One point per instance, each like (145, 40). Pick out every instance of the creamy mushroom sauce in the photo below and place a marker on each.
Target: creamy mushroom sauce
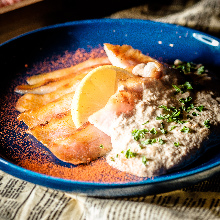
(164, 145)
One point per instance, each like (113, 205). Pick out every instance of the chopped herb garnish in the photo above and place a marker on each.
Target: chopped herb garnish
(195, 114)
(175, 116)
(182, 88)
(161, 141)
(164, 131)
(189, 108)
(141, 146)
(188, 99)
(200, 70)
(138, 134)
(177, 88)
(116, 156)
(200, 108)
(112, 159)
(181, 122)
(149, 141)
(144, 160)
(188, 67)
(172, 127)
(145, 123)
(130, 154)
(207, 123)
(187, 85)
(185, 129)
(165, 108)
(185, 67)
(101, 146)
(153, 131)
(176, 144)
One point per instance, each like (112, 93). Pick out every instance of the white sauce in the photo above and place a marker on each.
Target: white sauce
(160, 157)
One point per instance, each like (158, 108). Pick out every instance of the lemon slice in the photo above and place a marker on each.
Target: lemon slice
(94, 90)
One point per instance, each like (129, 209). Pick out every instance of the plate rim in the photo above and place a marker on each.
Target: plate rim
(164, 178)
(107, 20)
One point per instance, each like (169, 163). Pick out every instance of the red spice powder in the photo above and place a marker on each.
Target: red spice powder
(26, 152)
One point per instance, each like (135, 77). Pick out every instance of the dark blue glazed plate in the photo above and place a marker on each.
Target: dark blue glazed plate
(163, 41)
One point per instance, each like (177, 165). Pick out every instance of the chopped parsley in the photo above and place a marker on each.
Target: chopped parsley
(185, 67)
(172, 127)
(149, 141)
(101, 146)
(200, 70)
(145, 123)
(184, 101)
(175, 115)
(138, 134)
(188, 108)
(176, 144)
(113, 159)
(161, 141)
(195, 114)
(207, 123)
(200, 108)
(141, 146)
(144, 160)
(129, 154)
(152, 141)
(164, 131)
(188, 67)
(183, 88)
(153, 131)
(185, 129)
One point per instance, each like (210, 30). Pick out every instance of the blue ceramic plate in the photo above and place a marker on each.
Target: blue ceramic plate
(23, 53)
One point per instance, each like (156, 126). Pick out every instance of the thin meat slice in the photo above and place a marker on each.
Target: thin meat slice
(45, 113)
(86, 144)
(59, 127)
(33, 101)
(50, 76)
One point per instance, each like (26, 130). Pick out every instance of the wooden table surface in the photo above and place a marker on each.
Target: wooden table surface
(49, 12)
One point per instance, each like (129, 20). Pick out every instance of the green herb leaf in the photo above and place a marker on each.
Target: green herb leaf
(161, 141)
(153, 131)
(200, 108)
(187, 85)
(141, 146)
(178, 89)
(172, 127)
(176, 144)
(174, 116)
(138, 134)
(182, 88)
(185, 67)
(200, 70)
(144, 160)
(112, 159)
(145, 123)
(195, 114)
(189, 108)
(149, 141)
(129, 154)
(207, 123)
(101, 146)
(188, 99)
(185, 129)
